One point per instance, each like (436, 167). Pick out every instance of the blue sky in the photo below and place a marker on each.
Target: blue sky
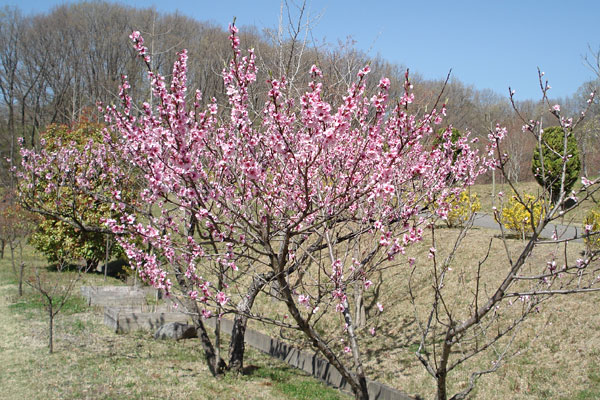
(488, 44)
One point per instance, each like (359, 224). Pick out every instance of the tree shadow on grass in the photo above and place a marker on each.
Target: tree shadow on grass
(512, 236)
(118, 268)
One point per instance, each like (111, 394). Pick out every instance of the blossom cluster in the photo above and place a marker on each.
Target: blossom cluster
(224, 185)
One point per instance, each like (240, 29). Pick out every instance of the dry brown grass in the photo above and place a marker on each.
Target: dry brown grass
(556, 354)
(548, 342)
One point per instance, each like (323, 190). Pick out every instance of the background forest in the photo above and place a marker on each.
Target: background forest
(55, 67)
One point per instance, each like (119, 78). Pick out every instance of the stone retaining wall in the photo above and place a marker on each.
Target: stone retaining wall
(115, 296)
(130, 316)
(123, 320)
(309, 362)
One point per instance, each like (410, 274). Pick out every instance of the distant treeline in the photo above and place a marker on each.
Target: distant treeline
(55, 67)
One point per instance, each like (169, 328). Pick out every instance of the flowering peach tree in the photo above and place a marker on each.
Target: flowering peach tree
(312, 198)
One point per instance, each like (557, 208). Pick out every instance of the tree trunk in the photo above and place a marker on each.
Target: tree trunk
(21, 270)
(218, 319)
(360, 373)
(14, 267)
(11, 129)
(364, 393)
(91, 265)
(358, 385)
(237, 345)
(106, 254)
(442, 371)
(50, 326)
(216, 366)
(360, 312)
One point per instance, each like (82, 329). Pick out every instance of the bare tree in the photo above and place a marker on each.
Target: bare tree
(54, 290)
(11, 30)
(455, 329)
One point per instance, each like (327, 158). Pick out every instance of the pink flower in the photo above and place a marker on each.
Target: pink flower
(384, 83)
(585, 181)
(364, 71)
(298, 162)
(556, 107)
(222, 299)
(432, 251)
(314, 70)
(304, 300)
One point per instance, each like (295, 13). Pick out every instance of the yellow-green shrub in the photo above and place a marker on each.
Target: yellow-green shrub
(516, 217)
(461, 209)
(591, 223)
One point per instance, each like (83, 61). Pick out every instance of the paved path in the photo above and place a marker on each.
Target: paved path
(562, 231)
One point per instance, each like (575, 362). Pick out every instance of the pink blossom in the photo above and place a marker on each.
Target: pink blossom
(432, 251)
(222, 299)
(304, 300)
(585, 181)
(384, 83)
(226, 180)
(364, 71)
(314, 70)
